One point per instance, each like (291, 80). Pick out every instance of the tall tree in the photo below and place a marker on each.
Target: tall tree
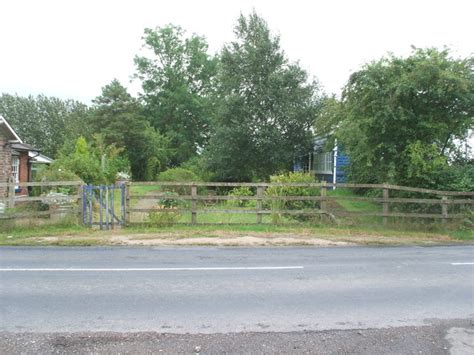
(265, 106)
(116, 116)
(176, 81)
(45, 122)
(402, 116)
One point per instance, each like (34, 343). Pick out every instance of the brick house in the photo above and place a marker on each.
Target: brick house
(16, 159)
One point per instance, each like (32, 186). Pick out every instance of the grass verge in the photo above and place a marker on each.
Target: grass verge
(231, 235)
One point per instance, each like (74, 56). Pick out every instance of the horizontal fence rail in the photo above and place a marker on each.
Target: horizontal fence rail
(198, 198)
(441, 198)
(18, 207)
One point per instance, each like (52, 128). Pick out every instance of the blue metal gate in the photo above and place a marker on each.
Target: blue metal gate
(104, 205)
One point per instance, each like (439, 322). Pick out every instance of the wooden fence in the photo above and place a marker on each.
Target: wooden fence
(203, 198)
(445, 199)
(13, 204)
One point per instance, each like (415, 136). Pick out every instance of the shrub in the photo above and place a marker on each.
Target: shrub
(280, 204)
(178, 175)
(53, 173)
(239, 192)
(169, 203)
(163, 218)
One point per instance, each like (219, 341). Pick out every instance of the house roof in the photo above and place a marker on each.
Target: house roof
(24, 147)
(39, 158)
(4, 123)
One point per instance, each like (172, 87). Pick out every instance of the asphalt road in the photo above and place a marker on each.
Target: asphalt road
(220, 290)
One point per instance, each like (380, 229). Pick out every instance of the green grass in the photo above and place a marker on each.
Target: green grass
(141, 190)
(354, 206)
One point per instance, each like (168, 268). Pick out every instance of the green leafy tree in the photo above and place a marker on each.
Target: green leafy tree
(94, 162)
(265, 106)
(401, 116)
(45, 122)
(116, 115)
(82, 162)
(176, 78)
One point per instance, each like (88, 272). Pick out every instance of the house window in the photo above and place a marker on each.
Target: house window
(16, 169)
(323, 163)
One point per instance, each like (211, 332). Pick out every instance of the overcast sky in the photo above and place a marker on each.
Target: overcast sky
(71, 49)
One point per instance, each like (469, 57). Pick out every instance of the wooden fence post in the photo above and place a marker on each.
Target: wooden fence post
(80, 202)
(385, 205)
(444, 209)
(193, 204)
(259, 203)
(127, 203)
(11, 193)
(324, 192)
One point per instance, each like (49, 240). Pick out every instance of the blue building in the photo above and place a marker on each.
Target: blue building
(326, 165)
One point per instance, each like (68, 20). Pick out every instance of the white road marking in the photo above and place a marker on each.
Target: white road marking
(462, 263)
(158, 268)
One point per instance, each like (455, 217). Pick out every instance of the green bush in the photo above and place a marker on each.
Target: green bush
(169, 203)
(239, 192)
(281, 204)
(163, 218)
(53, 173)
(178, 175)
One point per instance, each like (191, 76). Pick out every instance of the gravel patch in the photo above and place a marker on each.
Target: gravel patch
(430, 339)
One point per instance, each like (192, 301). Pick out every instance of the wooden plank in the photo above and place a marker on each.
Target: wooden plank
(385, 205)
(227, 197)
(444, 209)
(70, 198)
(194, 204)
(323, 196)
(340, 185)
(267, 212)
(164, 210)
(397, 214)
(33, 214)
(44, 183)
(80, 205)
(127, 203)
(11, 194)
(433, 192)
(259, 203)
(224, 184)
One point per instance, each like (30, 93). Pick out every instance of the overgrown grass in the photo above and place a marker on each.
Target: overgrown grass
(142, 190)
(354, 206)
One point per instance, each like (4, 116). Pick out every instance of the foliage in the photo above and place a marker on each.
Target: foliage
(239, 192)
(54, 173)
(156, 218)
(117, 116)
(401, 117)
(45, 122)
(275, 191)
(197, 165)
(328, 117)
(96, 163)
(176, 81)
(459, 176)
(178, 175)
(169, 202)
(264, 106)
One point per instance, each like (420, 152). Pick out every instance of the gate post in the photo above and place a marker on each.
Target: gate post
(385, 206)
(80, 204)
(259, 203)
(444, 209)
(11, 193)
(324, 192)
(193, 204)
(127, 203)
